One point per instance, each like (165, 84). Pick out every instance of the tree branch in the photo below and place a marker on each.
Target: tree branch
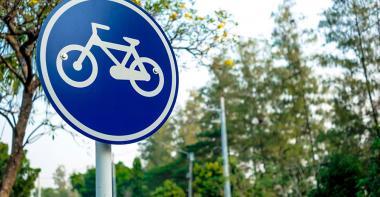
(13, 42)
(30, 136)
(13, 126)
(10, 16)
(12, 69)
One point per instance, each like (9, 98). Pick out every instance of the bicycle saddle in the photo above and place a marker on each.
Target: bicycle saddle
(132, 41)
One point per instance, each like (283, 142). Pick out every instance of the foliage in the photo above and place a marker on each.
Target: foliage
(84, 183)
(150, 152)
(175, 170)
(128, 180)
(123, 176)
(59, 177)
(208, 179)
(296, 92)
(52, 192)
(63, 187)
(137, 186)
(370, 183)
(168, 189)
(353, 27)
(339, 176)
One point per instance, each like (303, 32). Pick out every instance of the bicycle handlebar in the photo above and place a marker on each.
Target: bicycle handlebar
(99, 26)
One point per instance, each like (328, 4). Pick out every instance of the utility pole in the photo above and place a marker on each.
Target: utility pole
(226, 171)
(191, 160)
(189, 175)
(190, 156)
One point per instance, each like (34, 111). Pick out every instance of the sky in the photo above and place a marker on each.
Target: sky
(77, 154)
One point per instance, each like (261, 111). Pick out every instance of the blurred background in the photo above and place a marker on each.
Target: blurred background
(300, 81)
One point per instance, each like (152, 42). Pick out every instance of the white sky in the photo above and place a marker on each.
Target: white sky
(254, 18)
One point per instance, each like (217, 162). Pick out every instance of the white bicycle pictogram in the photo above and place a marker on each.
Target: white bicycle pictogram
(119, 71)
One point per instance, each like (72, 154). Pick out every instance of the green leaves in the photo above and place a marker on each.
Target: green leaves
(349, 25)
(208, 179)
(339, 176)
(84, 183)
(168, 189)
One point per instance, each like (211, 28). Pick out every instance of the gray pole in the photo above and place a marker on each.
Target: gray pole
(113, 177)
(190, 189)
(226, 171)
(103, 170)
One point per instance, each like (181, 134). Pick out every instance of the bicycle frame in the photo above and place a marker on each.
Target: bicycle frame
(95, 40)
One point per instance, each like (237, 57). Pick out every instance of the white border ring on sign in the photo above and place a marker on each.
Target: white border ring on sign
(92, 132)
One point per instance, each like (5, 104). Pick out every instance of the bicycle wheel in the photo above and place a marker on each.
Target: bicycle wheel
(63, 55)
(156, 69)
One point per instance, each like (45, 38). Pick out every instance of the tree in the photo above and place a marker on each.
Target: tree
(274, 109)
(339, 176)
(137, 186)
(194, 34)
(168, 189)
(84, 183)
(123, 176)
(157, 149)
(352, 26)
(128, 180)
(59, 177)
(370, 183)
(175, 171)
(52, 192)
(63, 188)
(208, 179)
(296, 125)
(176, 134)
(20, 23)
(187, 123)
(26, 177)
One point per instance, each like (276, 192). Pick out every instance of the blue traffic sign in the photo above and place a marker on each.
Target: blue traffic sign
(108, 69)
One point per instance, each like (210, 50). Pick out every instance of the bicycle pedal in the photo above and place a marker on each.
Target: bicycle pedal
(123, 73)
(120, 73)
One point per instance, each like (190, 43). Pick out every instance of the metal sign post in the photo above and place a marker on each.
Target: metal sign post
(103, 170)
(113, 177)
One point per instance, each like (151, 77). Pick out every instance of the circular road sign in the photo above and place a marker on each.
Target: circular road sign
(108, 69)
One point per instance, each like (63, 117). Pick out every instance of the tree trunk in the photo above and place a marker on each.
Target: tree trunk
(17, 152)
(363, 63)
